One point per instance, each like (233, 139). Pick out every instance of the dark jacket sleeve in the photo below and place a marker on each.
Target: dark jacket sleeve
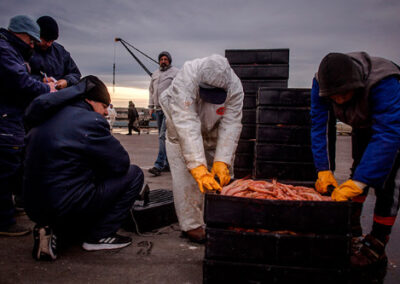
(15, 75)
(319, 122)
(71, 71)
(384, 145)
(108, 156)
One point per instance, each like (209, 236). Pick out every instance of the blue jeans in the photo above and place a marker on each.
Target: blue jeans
(162, 160)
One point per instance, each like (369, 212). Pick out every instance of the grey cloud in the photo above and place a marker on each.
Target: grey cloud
(191, 29)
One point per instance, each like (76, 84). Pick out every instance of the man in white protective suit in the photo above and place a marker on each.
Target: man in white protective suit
(112, 115)
(203, 107)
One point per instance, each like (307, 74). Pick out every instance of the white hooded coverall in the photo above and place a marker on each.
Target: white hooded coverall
(199, 132)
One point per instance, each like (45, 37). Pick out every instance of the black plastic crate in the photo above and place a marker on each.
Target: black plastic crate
(302, 250)
(252, 86)
(249, 116)
(288, 134)
(318, 217)
(244, 160)
(158, 212)
(250, 101)
(246, 146)
(248, 131)
(285, 170)
(283, 152)
(284, 115)
(235, 272)
(273, 71)
(258, 56)
(242, 172)
(284, 97)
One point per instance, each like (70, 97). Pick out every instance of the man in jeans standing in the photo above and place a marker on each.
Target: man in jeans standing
(160, 81)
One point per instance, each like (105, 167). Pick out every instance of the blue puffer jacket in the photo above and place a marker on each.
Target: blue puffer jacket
(17, 88)
(69, 151)
(379, 156)
(55, 62)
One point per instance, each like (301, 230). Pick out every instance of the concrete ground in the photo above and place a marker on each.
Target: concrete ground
(161, 257)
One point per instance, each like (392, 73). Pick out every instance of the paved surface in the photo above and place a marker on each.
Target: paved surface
(163, 257)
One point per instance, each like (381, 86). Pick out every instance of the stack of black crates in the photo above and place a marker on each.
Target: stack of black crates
(275, 241)
(283, 143)
(256, 68)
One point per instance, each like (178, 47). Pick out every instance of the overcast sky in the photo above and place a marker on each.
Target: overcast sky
(192, 29)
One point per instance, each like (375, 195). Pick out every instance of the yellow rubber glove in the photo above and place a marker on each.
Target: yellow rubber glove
(204, 178)
(347, 190)
(221, 170)
(325, 178)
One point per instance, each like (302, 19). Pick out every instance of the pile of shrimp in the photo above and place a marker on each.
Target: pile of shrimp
(261, 189)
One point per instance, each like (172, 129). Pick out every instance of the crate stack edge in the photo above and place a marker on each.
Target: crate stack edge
(255, 68)
(283, 143)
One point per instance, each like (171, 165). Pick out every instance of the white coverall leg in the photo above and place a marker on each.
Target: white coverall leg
(188, 199)
(199, 132)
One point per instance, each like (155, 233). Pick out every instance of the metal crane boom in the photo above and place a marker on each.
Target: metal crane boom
(124, 43)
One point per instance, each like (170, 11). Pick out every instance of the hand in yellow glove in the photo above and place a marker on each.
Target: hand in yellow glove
(348, 190)
(221, 170)
(204, 178)
(325, 179)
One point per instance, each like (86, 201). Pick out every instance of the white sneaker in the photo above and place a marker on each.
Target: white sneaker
(113, 242)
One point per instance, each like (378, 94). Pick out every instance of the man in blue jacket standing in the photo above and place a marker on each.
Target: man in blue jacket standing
(365, 93)
(51, 62)
(78, 180)
(17, 89)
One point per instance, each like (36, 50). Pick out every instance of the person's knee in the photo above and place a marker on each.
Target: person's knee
(136, 177)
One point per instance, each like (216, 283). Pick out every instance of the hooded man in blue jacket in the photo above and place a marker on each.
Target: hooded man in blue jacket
(50, 61)
(365, 93)
(17, 89)
(78, 180)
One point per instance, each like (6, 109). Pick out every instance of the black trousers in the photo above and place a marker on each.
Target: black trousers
(10, 182)
(388, 196)
(103, 215)
(131, 126)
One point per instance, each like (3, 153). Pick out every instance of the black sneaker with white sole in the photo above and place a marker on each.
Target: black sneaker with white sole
(113, 242)
(44, 243)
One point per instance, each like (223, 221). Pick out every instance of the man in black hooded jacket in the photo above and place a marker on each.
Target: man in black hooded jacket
(78, 179)
(364, 92)
(51, 61)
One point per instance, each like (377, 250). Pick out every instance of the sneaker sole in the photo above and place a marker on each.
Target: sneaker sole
(94, 247)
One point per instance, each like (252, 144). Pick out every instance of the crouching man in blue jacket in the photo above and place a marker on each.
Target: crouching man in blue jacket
(365, 93)
(78, 180)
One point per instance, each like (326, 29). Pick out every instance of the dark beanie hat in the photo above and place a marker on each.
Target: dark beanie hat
(165, 53)
(338, 74)
(48, 28)
(96, 90)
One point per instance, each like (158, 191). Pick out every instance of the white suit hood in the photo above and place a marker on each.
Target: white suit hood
(199, 126)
